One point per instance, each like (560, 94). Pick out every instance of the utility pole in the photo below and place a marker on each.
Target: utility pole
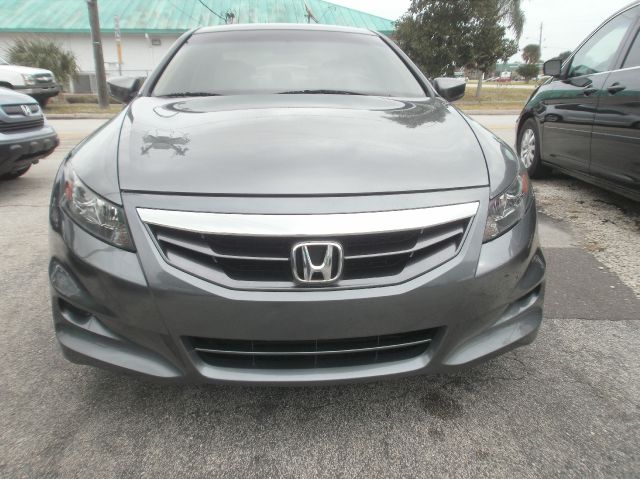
(96, 40)
(116, 25)
(540, 40)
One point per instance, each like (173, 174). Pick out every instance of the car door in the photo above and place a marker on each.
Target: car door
(615, 144)
(570, 106)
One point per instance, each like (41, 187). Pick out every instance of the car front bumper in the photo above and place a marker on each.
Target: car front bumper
(21, 149)
(40, 91)
(133, 311)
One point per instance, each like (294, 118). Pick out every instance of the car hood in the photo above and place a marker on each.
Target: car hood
(25, 70)
(296, 145)
(8, 96)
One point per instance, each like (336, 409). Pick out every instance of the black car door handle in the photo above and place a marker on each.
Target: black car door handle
(615, 88)
(589, 91)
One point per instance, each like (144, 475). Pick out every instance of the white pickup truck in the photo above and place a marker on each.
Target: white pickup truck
(35, 82)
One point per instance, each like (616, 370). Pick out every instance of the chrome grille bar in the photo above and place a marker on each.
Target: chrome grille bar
(317, 352)
(308, 225)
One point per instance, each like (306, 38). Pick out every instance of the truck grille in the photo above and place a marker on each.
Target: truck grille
(45, 78)
(326, 353)
(264, 262)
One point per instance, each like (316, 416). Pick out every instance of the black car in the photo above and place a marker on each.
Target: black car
(25, 135)
(585, 120)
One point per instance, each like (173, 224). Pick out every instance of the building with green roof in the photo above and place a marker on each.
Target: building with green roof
(149, 27)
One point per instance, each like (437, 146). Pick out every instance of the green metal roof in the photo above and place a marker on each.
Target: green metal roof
(174, 16)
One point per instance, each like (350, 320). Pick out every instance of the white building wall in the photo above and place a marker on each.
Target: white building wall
(139, 54)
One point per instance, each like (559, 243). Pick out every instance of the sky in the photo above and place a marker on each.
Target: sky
(565, 22)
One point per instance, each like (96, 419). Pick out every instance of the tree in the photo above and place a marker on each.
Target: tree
(44, 54)
(531, 53)
(490, 43)
(434, 33)
(564, 55)
(528, 71)
(443, 35)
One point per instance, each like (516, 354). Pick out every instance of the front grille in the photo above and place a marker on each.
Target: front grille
(327, 353)
(252, 262)
(8, 127)
(43, 78)
(260, 252)
(17, 109)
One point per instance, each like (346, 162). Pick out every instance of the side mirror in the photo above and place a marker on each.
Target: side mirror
(553, 67)
(124, 89)
(450, 89)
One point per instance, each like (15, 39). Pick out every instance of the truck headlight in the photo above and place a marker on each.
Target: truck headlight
(29, 79)
(506, 209)
(96, 215)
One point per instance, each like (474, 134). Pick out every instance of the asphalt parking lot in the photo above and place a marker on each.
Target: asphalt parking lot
(566, 406)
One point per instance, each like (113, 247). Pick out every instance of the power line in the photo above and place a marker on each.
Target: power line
(216, 14)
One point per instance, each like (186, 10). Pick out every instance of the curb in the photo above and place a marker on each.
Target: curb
(490, 112)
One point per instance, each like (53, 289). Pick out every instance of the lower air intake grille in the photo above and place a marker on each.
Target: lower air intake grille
(311, 354)
(7, 127)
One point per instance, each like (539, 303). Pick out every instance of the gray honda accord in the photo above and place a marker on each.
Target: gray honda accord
(291, 204)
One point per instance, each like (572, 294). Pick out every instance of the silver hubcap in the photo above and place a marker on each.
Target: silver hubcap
(528, 147)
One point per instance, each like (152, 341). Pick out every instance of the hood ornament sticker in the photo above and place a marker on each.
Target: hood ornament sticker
(165, 140)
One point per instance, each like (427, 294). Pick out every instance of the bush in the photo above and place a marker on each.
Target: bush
(528, 71)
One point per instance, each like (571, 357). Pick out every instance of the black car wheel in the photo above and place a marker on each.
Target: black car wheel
(529, 149)
(15, 174)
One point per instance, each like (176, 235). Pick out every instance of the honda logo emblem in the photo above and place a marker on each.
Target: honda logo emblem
(317, 262)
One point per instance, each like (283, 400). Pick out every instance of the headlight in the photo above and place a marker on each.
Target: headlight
(95, 214)
(506, 209)
(29, 79)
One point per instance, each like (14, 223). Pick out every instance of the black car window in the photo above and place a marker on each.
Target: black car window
(287, 61)
(633, 57)
(600, 51)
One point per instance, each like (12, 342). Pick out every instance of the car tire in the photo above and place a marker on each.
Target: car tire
(529, 149)
(15, 174)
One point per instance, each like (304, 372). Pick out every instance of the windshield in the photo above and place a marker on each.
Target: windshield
(287, 61)
(3, 62)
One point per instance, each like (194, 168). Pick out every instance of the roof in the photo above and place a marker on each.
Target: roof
(284, 26)
(175, 16)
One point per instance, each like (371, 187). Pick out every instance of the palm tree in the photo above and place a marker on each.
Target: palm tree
(43, 53)
(512, 15)
(531, 53)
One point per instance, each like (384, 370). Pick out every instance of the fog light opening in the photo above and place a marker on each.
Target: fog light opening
(531, 296)
(63, 282)
(73, 313)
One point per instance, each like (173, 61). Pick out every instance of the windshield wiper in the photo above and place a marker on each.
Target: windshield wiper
(190, 93)
(320, 92)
